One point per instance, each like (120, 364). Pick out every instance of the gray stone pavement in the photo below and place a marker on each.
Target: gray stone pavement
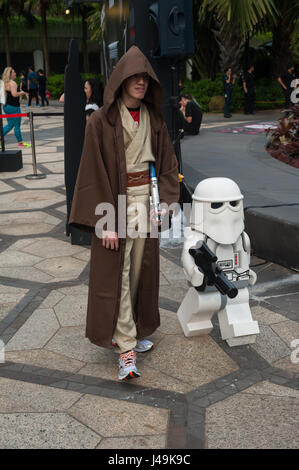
(57, 390)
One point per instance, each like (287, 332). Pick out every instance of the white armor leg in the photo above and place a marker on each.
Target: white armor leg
(235, 320)
(196, 311)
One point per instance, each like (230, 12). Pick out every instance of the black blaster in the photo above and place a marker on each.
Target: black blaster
(214, 276)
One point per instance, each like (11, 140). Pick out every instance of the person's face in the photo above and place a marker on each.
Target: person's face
(136, 86)
(13, 74)
(229, 71)
(87, 89)
(183, 102)
(291, 70)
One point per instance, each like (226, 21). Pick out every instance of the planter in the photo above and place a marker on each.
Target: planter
(281, 155)
(216, 104)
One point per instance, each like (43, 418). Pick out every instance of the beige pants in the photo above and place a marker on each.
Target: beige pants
(125, 330)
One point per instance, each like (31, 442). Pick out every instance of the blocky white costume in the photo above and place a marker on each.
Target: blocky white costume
(217, 218)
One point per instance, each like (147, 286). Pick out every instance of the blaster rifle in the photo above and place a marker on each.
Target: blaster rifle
(206, 260)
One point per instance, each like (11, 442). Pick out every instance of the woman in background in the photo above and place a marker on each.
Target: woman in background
(94, 96)
(12, 105)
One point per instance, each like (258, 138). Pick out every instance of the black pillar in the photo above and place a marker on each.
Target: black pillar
(74, 129)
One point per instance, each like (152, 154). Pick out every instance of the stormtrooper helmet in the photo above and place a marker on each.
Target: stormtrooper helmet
(217, 210)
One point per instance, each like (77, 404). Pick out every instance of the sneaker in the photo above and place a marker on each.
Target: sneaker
(23, 144)
(143, 345)
(127, 366)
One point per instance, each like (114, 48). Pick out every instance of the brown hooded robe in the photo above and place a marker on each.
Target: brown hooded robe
(101, 178)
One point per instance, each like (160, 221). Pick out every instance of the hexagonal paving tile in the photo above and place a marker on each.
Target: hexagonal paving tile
(5, 187)
(111, 418)
(51, 181)
(18, 396)
(71, 310)
(28, 223)
(268, 420)
(196, 360)
(64, 267)
(30, 199)
(51, 248)
(35, 332)
(71, 342)
(12, 257)
(45, 431)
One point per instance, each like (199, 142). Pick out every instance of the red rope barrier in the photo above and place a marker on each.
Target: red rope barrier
(13, 115)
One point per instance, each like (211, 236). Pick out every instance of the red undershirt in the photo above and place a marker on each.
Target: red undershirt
(135, 113)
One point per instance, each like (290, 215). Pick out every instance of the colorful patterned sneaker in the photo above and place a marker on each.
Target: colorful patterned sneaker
(127, 366)
(23, 144)
(143, 345)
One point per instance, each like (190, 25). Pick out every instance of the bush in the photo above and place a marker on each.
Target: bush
(56, 83)
(268, 95)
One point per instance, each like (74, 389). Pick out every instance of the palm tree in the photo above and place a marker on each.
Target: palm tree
(43, 13)
(206, 56)
(283, 30)
(84, 10)
(4, 9)
(233, 21)
(43, 6)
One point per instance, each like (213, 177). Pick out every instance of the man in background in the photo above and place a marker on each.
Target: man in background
(228, 85)
(249, 90)
(285, 80)
(42, 87)
(32, 85)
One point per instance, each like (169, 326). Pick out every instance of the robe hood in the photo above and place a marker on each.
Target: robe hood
(133, 62)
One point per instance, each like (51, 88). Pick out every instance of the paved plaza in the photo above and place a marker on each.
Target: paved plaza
(57, 390)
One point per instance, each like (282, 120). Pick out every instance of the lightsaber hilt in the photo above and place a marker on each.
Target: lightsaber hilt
(154, 197)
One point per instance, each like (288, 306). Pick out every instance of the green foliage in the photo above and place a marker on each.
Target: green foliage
(242, 16)
(268, 94)
(56, 83)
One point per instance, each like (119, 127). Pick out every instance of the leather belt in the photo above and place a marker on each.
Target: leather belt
(139, 178)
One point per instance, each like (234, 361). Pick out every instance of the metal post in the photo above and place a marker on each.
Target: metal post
(1, 131)
(34, 176)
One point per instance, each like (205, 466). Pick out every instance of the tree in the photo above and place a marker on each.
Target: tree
(83, 10)
(283, 29)
(4, 9)
(43, 7)
(234, 20)
(43, 14)
(206, 56)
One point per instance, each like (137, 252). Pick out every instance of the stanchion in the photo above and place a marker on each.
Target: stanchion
(35, 175)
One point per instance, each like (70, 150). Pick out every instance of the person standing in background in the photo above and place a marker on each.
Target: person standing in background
(12, 105)
(23, 83)
(94, 96)
(228, 85)
(285, 80)
(42, 87)
(249, 90)
(32, 84)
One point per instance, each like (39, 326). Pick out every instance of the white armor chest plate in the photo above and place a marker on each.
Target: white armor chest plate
(232, 259)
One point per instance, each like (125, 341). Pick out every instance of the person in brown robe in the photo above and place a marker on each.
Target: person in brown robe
(124, 272)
